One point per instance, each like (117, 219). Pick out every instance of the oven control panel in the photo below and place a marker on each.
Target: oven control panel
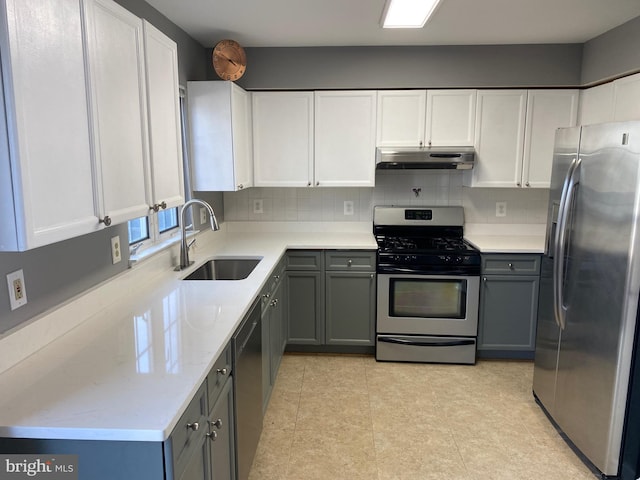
(418, 214)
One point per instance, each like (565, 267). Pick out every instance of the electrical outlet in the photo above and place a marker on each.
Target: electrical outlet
(203, 215)
(501, 209)
(258, 206)
(17, 289)
(116, 252)
(348, 207)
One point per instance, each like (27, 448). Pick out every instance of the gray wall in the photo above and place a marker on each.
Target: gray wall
(57, 272)
(412, 67)
(612, 54)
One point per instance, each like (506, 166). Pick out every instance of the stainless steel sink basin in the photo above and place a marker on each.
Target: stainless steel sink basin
(224, 269)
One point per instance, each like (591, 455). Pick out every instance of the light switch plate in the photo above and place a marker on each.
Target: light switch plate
(203, 215)
(258, 206)
(116, 251)
(17, 289)
(501, 209)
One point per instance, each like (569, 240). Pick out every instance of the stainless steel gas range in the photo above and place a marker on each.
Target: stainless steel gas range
(428, 285)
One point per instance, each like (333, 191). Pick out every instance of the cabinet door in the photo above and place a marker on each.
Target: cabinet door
(282, 139)
(596, 104)
(305, 307)
(220, 135)
(627, 98)
(451, 117)
(242, 138)
(499, 140)
(508, 313)
(401, 118)
(221, 435)
(46, 179)
(547, 110)
(350, 308)
(115, 45)
(345, 138)
(165, 139)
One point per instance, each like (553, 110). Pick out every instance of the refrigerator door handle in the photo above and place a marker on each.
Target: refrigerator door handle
(568, 191)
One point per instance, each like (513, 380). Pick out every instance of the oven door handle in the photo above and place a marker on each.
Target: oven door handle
(431, 343)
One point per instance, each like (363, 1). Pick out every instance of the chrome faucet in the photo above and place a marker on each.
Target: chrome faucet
(184, 246)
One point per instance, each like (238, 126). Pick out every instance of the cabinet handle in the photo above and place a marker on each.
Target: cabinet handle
(217, 423)
(106, 220)
(222, 371)
(212, 436)
(193, 426)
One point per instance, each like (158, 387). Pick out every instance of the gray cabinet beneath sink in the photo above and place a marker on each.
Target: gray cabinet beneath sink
(508, 305)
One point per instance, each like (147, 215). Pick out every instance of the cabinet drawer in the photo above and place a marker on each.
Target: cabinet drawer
(219, 374)
(304, 260)
(354, 260)
(511, 264)
(275, 277)
(186, 437)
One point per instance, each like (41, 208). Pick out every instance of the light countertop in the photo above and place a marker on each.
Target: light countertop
(506, 238)
(143, 344)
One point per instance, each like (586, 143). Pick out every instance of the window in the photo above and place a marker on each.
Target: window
(158, 226)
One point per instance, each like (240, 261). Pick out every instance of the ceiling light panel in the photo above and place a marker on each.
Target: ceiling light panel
(407, 13)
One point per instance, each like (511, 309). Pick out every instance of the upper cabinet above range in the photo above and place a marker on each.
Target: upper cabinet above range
(426, 118)
(221, 136)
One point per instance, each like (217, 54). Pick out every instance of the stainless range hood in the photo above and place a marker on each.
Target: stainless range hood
(446, 158)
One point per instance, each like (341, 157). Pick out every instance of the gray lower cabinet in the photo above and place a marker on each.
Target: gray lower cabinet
(508, 305)
(305, 297)
(274, 336)
(331, 297)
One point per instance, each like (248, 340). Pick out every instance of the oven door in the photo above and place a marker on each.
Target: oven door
(438, 305)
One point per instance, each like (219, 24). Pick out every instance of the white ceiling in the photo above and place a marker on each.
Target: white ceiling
(303, 23)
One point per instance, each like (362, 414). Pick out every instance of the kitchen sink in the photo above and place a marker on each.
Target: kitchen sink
(224, 269)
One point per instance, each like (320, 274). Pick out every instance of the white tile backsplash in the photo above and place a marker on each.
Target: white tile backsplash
(439, 188)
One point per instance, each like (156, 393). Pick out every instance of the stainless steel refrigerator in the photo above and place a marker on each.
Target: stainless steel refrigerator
(586, 375)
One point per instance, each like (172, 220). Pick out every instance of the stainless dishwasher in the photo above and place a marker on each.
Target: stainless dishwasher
(247, 369)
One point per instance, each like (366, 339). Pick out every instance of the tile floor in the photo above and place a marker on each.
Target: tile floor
(335, 417)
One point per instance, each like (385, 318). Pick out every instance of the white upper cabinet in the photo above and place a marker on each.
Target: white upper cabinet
(46, 181)
(627, 98)
(451, 117)
(499, 138)
(345, 138)
(165, 139)
(282, 139)
(401, 118)
(596, 104)
(426, 117)
(116, 70)
(547, 110)
(221, 139)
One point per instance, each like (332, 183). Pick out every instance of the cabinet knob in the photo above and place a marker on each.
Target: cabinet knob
(193, 426)
(317, 183)
(106, 220)
(212, 436)
(240, 187)
(527, 184)
(277, 277)
(349, 262)
(372, 276)
(420, 143)
(484, 279)
(308, 184)
(266, 295)
(517, 184)
(217, 423)
(163, 205)
(222, 371)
